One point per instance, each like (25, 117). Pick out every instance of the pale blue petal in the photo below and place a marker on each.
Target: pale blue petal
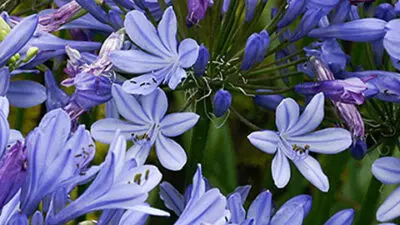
(167, 30)
(280, 168)
(243, 191)
(287, 114)
(188, 52)
(15, 136)
(37, 218)
(267, 141)
(111, 109)
(304, 200)
(104, 130)
(198, 187)
(141, 85)
(175, 124)
(155, 105)
(344, 217)
(391, 42)
(128, 106)
(139, 152)
(95, 10)
(387, 170)
(175, 77)
(235, 205)
(136, 61)
(144, 34)
(4, 133)
(261, 208)
(209, 209)
(390, 208)
(26, 93)
(133, 217)
(87, 22)
(4, 106)
(171, 154)
(17, 38)
(171, 197)
(311, 117)
(288, 215)
(4, 80)
(326, 141)
(312, 171)
(146, 176)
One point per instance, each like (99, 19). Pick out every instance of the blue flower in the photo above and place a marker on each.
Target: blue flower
(203, 205)
(343, 217)
(295, 139)
(163, 60)
(120, 184)
(261, 210)
(56, 97)
(147, 125)
(387, 170)
(56, 159)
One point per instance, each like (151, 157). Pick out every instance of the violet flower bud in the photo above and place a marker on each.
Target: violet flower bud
(359, 149)
(222, 102)
(251, 6)
(225, 6)
(202, 61)
(385, 12)
(12, 172)
(256, 47)
(196, 11)
(268, 101)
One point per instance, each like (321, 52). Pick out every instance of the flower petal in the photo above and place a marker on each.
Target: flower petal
(391, 42)
(311, 117)
(171, 197)
(167, 30)
(175, 124)
(261, 208)
(171, 154)
(104, 130)
(17, 38)
(312, 171)
(188, 52)
(139, 152)
(303, 200)
(128, 106)
(326, 141)
(26, 93)
(141, 85)
(4, 80)
(387, 170)
(287, 114)
(390, 208)
(344, 217)
(362, 30)
(144, 34)
(267, 141)
(288, 215)
(235, 205)
(136, 61)
(4, 133)
(155, 105)
(4, 106)
(280, 168)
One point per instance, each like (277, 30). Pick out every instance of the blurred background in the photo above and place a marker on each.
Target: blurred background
(230, 160)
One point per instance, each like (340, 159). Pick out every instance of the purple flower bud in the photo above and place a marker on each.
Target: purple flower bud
(397, 8)
(256, 47)
(222, 102)
(359, 149)
(385, 12)
(196, 11)
(225, 6)
(268, 101)
(52, 21)
(295, 8)
(251, 6)
(202, 61)
(12, 172)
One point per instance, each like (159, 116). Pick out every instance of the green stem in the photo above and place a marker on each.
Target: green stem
(244, 120)
(369, 205)
(199, 139)
(275, 77)
(271, 69)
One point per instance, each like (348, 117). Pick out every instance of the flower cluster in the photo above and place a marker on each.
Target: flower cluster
(176, 77)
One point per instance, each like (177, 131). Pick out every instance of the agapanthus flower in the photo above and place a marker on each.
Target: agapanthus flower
(343, 217)
(201, 204)
(261, 210)
(196, 11)
(387, 170)
(92, 78)
(163, 61)
(147, 125)
(120, 184)
(52, 147)
(51, 21)
(295, 139)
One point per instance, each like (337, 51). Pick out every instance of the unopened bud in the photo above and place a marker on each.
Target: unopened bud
(222, 102)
